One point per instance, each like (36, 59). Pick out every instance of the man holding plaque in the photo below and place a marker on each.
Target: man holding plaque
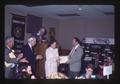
(10, 58)
(75, 58)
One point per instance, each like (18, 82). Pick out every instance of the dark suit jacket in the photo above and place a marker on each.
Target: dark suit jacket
(30, 56)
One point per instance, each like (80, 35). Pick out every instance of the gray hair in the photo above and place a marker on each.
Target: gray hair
(8, 39)
(31, 39)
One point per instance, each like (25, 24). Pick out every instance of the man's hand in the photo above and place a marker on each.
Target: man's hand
(24, 60)
(20, 56)
(39, 57)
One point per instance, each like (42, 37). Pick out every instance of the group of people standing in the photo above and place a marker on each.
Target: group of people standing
(43, 57)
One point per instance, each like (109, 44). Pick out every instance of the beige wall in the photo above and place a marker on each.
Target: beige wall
(67, 29)
(102, 27)
(50, 22)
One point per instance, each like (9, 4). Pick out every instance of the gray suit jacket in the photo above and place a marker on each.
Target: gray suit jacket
(8, 60)
(75, 60)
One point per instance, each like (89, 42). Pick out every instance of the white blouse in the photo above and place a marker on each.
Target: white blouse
(51, 64)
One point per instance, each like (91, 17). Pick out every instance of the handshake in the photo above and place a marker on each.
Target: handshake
(64, 59)
(20, 57)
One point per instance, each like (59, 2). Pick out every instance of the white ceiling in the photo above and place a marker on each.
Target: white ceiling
(88, 11)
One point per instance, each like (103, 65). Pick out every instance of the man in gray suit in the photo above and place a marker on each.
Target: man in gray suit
(10, 58)
(75, 58)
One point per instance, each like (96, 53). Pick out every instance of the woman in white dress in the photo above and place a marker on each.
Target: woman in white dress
(52, 59)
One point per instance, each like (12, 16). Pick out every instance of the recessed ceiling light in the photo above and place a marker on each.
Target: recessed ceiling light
(79, 9)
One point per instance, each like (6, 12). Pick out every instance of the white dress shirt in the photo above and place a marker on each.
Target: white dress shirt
(30, 46)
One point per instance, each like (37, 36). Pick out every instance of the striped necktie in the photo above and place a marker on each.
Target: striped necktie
(72, 51)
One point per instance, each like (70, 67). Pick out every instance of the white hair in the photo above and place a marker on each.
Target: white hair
(8, 39)
(31, 39)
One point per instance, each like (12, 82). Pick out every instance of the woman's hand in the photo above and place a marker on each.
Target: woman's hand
(58, 61)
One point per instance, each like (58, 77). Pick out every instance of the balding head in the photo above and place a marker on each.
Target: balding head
(32, 41)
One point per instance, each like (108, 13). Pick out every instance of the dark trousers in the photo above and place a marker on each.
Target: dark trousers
(73, 74)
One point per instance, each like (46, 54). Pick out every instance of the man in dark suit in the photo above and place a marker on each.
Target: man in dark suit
(29, 53)
(75, 58)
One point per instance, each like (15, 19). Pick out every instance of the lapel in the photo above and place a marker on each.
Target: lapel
(30, 48)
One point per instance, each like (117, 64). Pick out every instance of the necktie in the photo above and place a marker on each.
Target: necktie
(72, 51)
(31, 49)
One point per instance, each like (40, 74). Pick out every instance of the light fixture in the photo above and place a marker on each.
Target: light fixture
(79, 9)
